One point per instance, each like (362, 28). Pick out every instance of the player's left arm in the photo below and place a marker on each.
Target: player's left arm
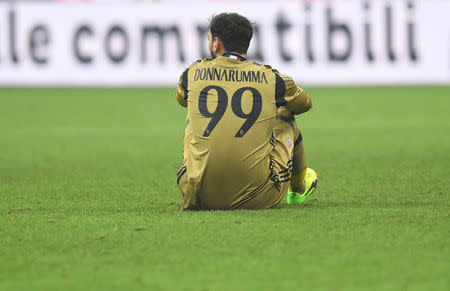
(290, 95)
(182, 91)
(298, 101)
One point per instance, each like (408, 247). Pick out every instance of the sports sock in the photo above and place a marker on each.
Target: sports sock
(298, 181)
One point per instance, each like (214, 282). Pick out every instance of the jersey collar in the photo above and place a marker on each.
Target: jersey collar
(234, 56)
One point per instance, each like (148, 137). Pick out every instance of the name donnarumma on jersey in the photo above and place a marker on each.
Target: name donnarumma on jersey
(213, 74)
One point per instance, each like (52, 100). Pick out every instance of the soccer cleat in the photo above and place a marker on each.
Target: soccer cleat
(310, 186)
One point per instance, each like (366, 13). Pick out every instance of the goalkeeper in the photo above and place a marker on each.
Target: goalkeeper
(242, 147)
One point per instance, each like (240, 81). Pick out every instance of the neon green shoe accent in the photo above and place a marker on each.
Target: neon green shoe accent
(310, 186)
(294, 197)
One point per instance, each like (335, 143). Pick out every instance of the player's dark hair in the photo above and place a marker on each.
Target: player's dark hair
(234, 30)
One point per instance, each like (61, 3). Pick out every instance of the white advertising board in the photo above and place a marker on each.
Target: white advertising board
(351, 42)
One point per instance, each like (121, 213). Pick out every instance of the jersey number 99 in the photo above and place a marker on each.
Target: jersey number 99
(236, 106)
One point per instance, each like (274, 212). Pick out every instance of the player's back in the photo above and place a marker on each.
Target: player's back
(231, 111)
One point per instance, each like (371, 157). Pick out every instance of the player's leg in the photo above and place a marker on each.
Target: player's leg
(298, 167)
(303, 179)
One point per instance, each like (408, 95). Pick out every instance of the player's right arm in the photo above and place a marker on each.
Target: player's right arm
(182, 90)
(290, 95)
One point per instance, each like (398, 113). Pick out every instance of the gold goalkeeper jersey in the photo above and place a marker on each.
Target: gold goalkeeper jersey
(232, 104)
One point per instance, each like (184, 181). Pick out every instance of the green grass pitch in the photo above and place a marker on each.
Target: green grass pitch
(89, 198)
